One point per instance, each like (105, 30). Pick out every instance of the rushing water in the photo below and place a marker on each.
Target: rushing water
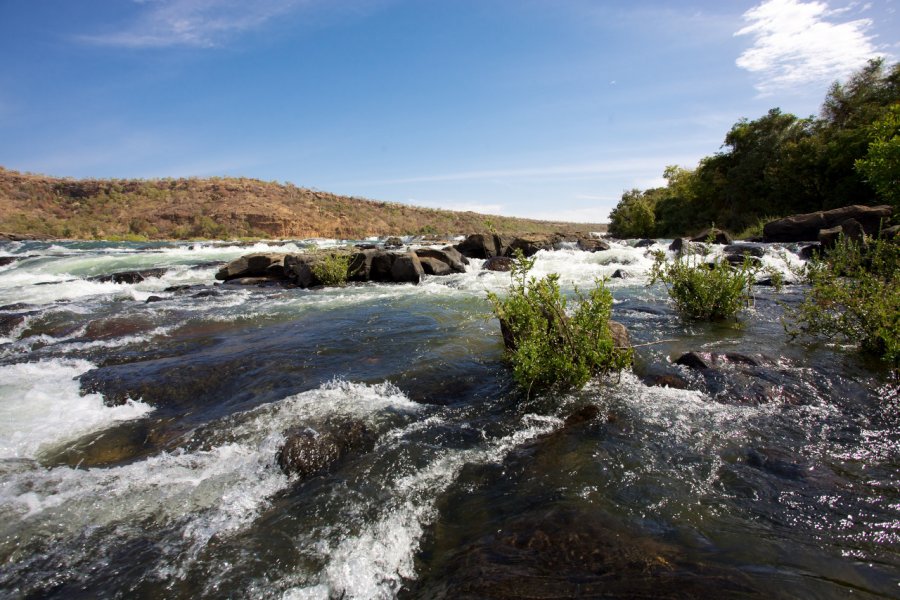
(138, 442)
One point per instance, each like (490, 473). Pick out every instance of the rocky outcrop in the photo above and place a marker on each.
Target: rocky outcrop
(363, 265)
(393, 242)
(851, 229)
(483, 245)
(806, 227)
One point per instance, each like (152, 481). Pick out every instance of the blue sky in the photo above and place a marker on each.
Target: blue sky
(535, 108)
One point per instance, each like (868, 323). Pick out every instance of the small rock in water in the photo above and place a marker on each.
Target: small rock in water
(620, 274)
(645, 243)
(498, 263)
(307, 452)
(393, 242)
(152, 299)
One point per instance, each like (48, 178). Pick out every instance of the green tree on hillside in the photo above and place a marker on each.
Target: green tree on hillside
(881, 165)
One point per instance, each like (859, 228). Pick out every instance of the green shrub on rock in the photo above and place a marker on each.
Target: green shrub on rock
(705, 291)
(549, 347)
(332, 269)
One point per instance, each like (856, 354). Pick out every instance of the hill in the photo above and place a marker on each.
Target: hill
(224, 208)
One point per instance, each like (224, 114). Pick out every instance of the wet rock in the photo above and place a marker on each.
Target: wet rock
(178, 288)
(207, 294)
(581, 416)
(498, 263)
(7, 260)
(113, 327)
(308, 452)
(777, 463)
(129, 277)
(809, 251)
(365, 246)
(574, 553)
(407, 268)
(684, 245)
(433, 266)
(9, 322)
(713, 235)
(152, 299)
(645, 243)
(480, 245)
(890, 233)
(269, 265)
(620, 274)
(737, 260)
(592, 245)
(454, 254)
(529, 245)
(806, 227)
(741, 249)
(693, 360)
(258, 281)
(393, 242)
(451, 258)
(705, 360)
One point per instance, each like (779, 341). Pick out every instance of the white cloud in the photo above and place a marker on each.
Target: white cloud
(203, 23)
(795, 44)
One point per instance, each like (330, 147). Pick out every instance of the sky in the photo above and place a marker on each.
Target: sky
(546, 109)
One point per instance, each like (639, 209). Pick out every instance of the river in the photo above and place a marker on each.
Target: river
(138, 441)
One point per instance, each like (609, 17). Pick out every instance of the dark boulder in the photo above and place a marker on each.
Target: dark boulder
(455, 255)
(809, 251)
(851, 229)
(407, 268)
(498, 263)
(308, 452)
(739, 259)
(645, 243)
(620, 274)
(528, 245)
(713, 235)
(269, 265)
(451, 258)
(890, 233)
(592, 245)
(706, 360)
(129, 277)
(480, 245)
(741, 249)
(393, 242)
(433, 266)
(684, 245)
(806, 227)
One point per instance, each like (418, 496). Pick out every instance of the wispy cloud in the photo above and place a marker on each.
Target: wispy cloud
(203, 23)
(551, 172)
(797, 43)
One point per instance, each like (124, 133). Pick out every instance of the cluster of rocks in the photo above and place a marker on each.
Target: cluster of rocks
(387, 264)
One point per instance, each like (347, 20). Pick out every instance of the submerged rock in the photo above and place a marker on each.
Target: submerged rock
(129, 277)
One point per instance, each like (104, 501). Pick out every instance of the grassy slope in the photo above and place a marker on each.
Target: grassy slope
(223, 208)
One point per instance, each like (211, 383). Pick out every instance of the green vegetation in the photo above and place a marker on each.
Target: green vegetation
(332, 269)
(781, 164)
(549, 348)
(854, 296)
(223, 208)
(881, 165)
(705, 291)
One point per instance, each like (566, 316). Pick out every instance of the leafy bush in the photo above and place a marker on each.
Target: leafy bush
(705, 291)
(332, 269)
(854, 295)
(549, 348)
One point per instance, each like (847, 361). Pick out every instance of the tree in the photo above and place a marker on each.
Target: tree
(633, 216)
(881, 165)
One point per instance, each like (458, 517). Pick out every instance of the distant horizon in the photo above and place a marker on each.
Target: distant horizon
(539, 110)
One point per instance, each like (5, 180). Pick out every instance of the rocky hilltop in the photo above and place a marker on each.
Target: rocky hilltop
(217, 207)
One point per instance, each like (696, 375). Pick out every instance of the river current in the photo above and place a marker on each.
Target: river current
(138, 441)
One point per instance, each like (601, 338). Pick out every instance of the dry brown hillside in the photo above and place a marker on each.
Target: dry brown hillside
(222, 208)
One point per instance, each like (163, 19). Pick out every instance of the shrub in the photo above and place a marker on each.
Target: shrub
(332, 269)
(705, 291)
(548, 348)
(854, 295)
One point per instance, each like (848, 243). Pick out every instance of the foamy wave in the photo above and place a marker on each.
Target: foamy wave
(41, 405)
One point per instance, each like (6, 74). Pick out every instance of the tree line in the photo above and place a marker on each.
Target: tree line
(781, 164)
